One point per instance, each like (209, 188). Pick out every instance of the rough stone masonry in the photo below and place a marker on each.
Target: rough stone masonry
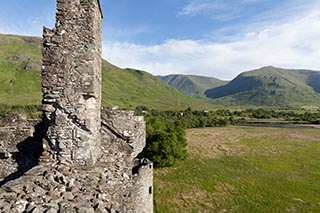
(71, 81)
(80, 157)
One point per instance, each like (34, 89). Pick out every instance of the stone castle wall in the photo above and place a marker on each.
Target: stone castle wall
(143, 186)
(123, 138)
(117, 183)
(71, 82)
(80, 157)
(15, 134)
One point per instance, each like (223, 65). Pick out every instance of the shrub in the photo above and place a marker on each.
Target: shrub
(166, 142)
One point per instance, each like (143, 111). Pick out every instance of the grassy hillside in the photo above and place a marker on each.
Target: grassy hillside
(270, 86)
(192, 84)
(20, 80)
(131, 88)
(20, 61)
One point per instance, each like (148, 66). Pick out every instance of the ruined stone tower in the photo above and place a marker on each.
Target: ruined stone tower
(80, 157)
(72, 81)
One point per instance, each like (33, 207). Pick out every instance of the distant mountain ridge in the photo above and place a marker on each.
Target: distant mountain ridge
(20, 80)
(192, 84)
(270, 86)
(20, 84)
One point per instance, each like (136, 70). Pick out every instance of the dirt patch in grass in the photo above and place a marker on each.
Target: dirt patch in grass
(237, 141)
(214, 142)
(196, 197)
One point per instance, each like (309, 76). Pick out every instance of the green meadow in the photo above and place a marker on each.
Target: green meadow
(244, 169)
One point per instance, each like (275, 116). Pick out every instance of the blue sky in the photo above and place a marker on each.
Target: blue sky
(218, 38)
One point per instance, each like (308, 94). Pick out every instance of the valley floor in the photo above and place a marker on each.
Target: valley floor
(244, 169)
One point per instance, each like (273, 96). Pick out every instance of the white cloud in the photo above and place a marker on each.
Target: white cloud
(293, 44)
(220, 10)
(196, 8)
(115, 32)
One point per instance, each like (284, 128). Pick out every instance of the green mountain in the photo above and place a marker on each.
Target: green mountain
(192, 84)
(20, 80)
(270, 86)
(20, 83)
(131, 88)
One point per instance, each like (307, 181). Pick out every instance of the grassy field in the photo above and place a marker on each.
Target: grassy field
(244, 169)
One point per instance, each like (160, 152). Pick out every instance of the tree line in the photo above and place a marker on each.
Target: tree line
(166, 137)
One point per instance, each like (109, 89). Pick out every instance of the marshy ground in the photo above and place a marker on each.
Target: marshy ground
(244, 169)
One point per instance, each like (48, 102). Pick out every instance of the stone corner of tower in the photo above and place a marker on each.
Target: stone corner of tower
(99, 4)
